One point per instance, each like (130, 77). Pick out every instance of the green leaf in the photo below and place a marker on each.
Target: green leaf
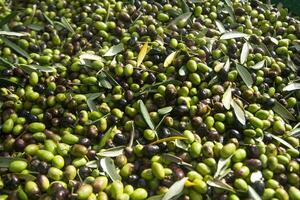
(283, 112)
(291, 64)
(285, 143)
(48, 19)
(168, 139)
(114, 50)
(5, 161)
(175, 189)
(67, 25)
(35, 27)
(156, 197)
(181, 145)
(37, 68)
(132, 135)
(103, 82)
(108, 166)
(295, 132)
(220, 184)
(181, 18)
(92, 164)
(26, 177)
(223, 164)
(245, 52)
(8, 82)
(227, 98)
(229, 3)
(15, 47)
(87, 56)
(8, 18)
(252, 193)
(239, 112)
(112, 152)
(90, 100)
(233, 35)
(11, 33)
(142, 54)
(183, 71)
(145, 114)
(6, 63)
(175, 159)
(109, 134)
(165, 110)
(259, 65)
(184, 6)
(291, 87)
(245, 75)
(170, 59)
(220, 26)
(274, 40)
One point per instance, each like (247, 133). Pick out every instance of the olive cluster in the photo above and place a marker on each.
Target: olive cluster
(117, 99)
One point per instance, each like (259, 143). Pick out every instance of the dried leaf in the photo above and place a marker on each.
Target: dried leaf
(165, 110)
(181, 18)
(253, 194)
(5, 161)
(114, 50)
(221, 185)
(170, 59)
(145, 114)
(15, 47)
(233, 35)
(259, 65)
(245, 75)
(67, 25)
(291, 87)
(283, 112)
(11, 33)
(220, 27)
(109, 134)
(142, 54)
(168, 139)
(112, 152)
(239, 112)
(108, 166)
(227, 98)
(175, 189)
(245, 52)
(285, 143)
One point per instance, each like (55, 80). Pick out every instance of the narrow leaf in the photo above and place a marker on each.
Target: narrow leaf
(170, 59)
(291, 87)
(253, 194)
(175, 189)
(8, 18)
(219, 66)
(39, 68)
(10, 33)
(109, 134)
(132, 135)
(274, 40)
(114, 50)
(67, 25)
(5, 161)
(220, 27)
(108, 166)
(142, 54)
(8, 82)
(283, 112)
(103, 82)
(239, 112)
(92, 164)
(183, 71)
(35, 27)
(184, 6)
(181, 18)
(245, 52)
(295, 132)
(168, 139)
(175, 159)
(156, 197)
(245, 75)
(285, 143)
(6, 63)
(223, 164)
(259, 65)
(145, 114)
(90, 100)
(26, 177)
(112, 152)
(48, 19)
(220, 184)
(233, 35)
(15, 47)
(181, 145)
(227, 98)
(87, 56)
(229, 3)
(210, 43)
(165, 110)
(291, 64)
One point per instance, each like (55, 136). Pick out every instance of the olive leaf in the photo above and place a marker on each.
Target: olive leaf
(283, 112)
(11, 33)
(108, 166)
(181, 145)
(285, 143)
(108, 134)
(210, 43)
(132, 135)
(170, 59)
(175, 189)
(227, 98)
(5, 161)
(26, 177)
(37, 68)
(92, 164)
(87, 56)
(233, 35)
(245, 52)
(239, 112)
(6, 63)
(8, 82)
(252, 193)
(220, 184)
(219, 66)
(156, 197)
(8, 18)
(176, 159)
(256, 176)
(259, 65)
(142, 54)
(291, 64)
(181, 18)
(112, 152)
(291, 87)
(67, 25)
(183, 71)
(35, 27)
(114, 50)
(245, 75)
(48, 19)
(220, 26)
(223, 164)
(146, 114)
(165, 110)
(184, 6)
(274, 40)
(15, 47)
(295, 132)
(168, 139)
(229, 3)
(90, 100)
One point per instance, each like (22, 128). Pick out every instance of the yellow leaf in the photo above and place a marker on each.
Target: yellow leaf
(142, 54)
(170, 59)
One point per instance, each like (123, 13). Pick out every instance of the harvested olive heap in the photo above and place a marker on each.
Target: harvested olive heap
(158, 100)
